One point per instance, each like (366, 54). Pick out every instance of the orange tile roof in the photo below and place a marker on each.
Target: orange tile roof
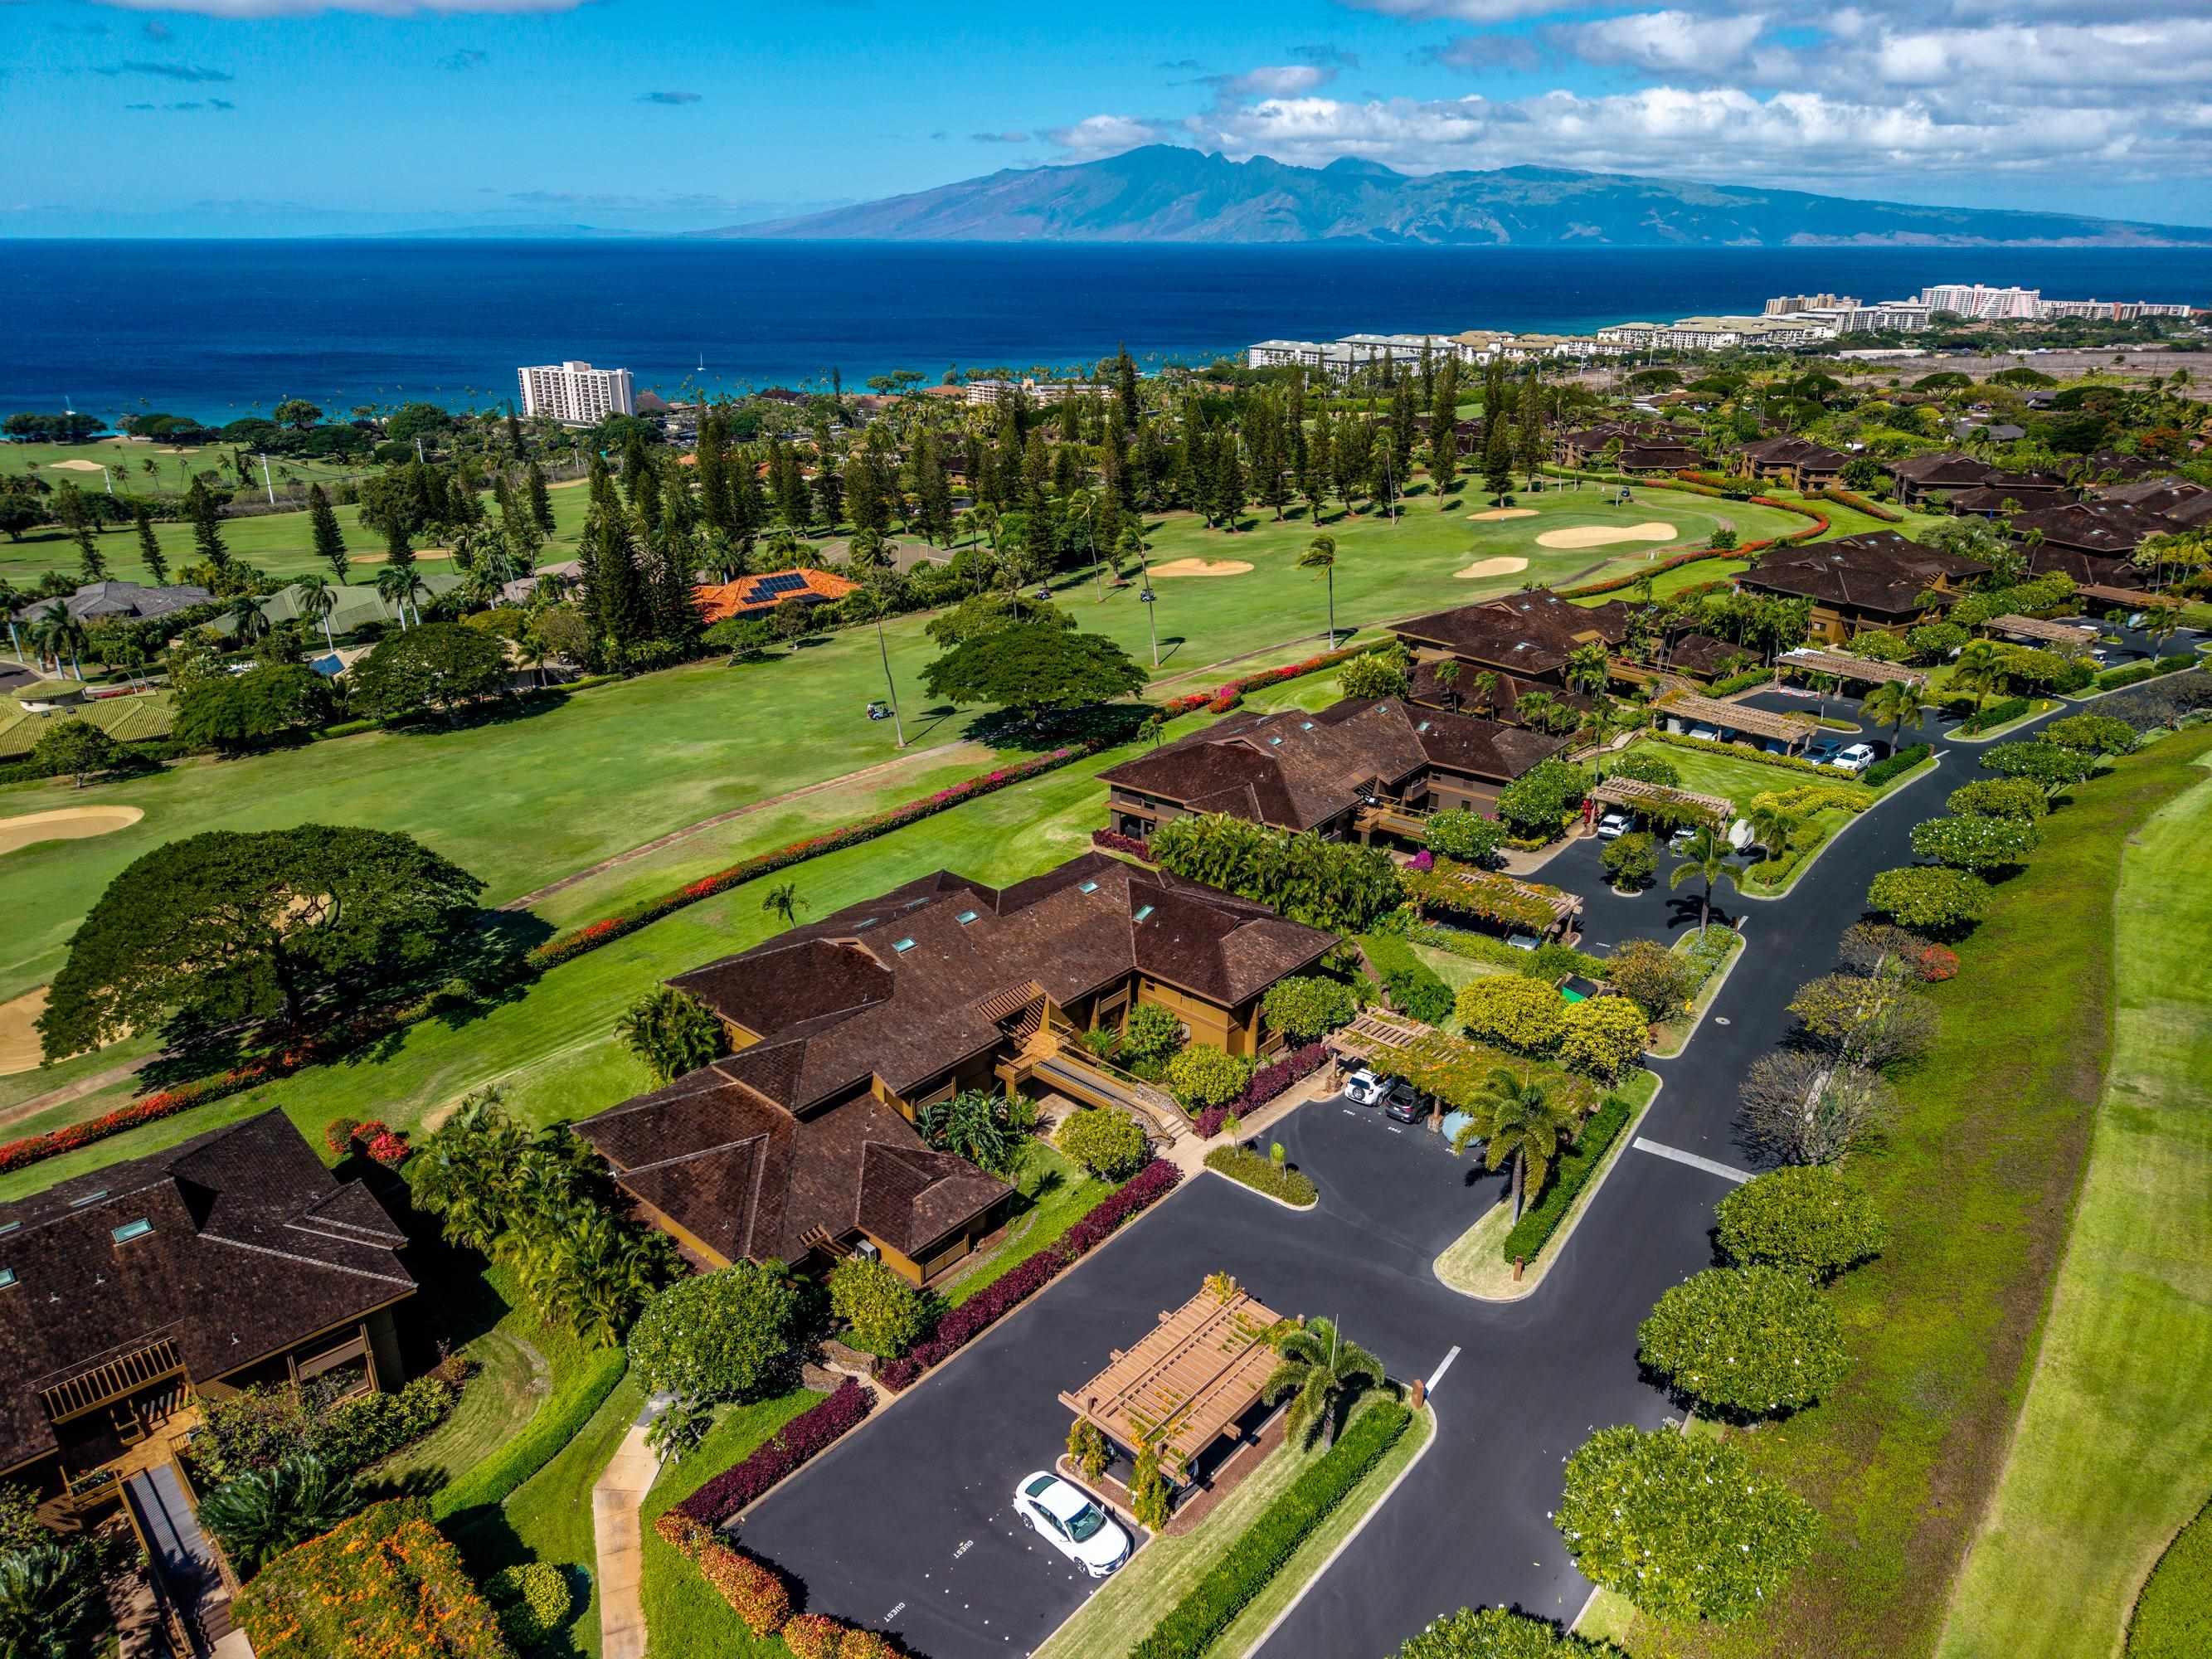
(743, 596)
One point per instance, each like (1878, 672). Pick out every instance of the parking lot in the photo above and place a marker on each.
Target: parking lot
(908, 1525)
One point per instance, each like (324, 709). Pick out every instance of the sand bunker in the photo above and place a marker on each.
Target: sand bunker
(1605, 535)
(18, 1032)
(1498, 513)
(1202, 568)
(73, 466)
(1494, 568)
(68, 824)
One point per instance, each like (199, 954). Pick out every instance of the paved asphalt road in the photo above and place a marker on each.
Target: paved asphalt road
(908, 1525)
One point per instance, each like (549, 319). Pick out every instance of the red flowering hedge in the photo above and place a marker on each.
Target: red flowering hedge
(1108, 841)
(957, 1329)
(1225, 697)
(755, 1590)
(383, 1584)
(32, 1149)
(1266, 1083)
(813, 1432)
(1857, 503)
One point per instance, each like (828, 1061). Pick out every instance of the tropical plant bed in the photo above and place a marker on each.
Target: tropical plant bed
(2034, 708)
(1264, 1176)
(1723, 946)
(1477, 1263)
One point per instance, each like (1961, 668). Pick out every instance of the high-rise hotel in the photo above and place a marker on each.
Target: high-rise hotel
(576, 394)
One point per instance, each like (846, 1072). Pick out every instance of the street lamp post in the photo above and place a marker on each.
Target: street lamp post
(1150, 599)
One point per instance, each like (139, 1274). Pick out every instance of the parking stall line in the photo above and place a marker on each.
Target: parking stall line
(1725, 1171)
(1443, 1365)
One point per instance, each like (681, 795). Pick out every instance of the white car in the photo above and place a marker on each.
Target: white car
(1066, 1518)
(1855, 759)
(1363, 1088)
(1611, 825)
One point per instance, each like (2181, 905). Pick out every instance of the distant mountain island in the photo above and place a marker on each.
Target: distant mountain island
(1165, 193)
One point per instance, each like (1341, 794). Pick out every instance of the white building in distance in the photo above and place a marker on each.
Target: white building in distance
(1988, 304)
(576, 394)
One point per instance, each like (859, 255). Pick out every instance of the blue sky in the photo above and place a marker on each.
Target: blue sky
(271, 117)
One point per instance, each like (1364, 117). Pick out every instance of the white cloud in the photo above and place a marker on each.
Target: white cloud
(1096, 136)
(1669, 42)
(1273, 81)
(1466, 11)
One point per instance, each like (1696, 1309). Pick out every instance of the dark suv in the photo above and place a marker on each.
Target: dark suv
(1406, 1103)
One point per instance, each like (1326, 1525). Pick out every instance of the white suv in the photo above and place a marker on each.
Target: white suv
(1855, 759)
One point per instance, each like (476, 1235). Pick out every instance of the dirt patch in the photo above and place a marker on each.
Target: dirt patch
(65, 823)
(1502, 566)
(419, 553)
(75, 466)
(1498, 513)
(1202, 568)
(1606, 535)
(18, 1032)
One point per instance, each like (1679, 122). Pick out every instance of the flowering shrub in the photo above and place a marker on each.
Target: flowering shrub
(957, 1329)
(1938, 963)
(339, 1135)
(1223, 698)
(33, 1149)
(1266, 1083)
(813, 1636)
(751, 1587)
(390, 1150)
(1857, 503)
(386, 1582)
(1108, 841)
(867, 1644)
(810, 1432)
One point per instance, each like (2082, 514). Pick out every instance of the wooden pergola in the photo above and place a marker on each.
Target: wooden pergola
(1791, 729)
(2063, 636)
(1566, 908)
(1846, 668)
(1186, 1384)
(1663, 801)
(2134, 598)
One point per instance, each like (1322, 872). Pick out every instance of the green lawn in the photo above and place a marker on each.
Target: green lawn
(1057, 1193)
(1977, 1181)
(552, 1049)
(684, 1616)
(1739, 778)
(2113, 1451)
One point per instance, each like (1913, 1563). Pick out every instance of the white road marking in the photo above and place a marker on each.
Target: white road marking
(1443, 1365)
(1725, 1171)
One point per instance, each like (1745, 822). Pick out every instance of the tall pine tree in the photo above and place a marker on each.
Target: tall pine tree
(541, 500)
(150, 548)
(206, 517)
(323, 531)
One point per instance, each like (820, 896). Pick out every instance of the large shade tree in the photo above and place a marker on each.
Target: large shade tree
(283, 926)
(1035, 667)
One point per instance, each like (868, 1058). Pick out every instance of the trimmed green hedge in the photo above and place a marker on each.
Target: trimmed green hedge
(2009, 708)
(554, 1424)
(1252, 1562)
(2173, 1618)
(1242, 1163)
(1887, 771)
(1415, 988)
(1569, 1176)
(2112, 678)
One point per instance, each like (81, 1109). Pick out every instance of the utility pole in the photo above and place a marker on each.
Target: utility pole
(1150, 599)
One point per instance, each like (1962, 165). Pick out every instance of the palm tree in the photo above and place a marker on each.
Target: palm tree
(872, 601)
(54, 631)
(783, 901)
(1894, 703)
(1979, 669)
(531, 651)
(1588, 668)
(1708, 855)
(1772, 823)
(260, 1514)
(1485, 690)
(1519, 1120)
(316, 601)
(1322, 1373)
(1824, 686)
(48, 1600)
(394, 586)
(248, 622)
(1447, 672)
(1321, 554)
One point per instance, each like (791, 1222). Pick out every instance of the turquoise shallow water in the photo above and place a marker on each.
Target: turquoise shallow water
(213, 330)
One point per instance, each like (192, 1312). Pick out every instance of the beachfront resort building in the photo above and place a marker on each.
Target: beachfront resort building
(576, 394)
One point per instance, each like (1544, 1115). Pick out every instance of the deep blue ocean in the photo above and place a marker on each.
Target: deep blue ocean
(215, 330)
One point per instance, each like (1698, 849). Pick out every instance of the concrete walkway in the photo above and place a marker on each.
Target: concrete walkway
(616, 1533)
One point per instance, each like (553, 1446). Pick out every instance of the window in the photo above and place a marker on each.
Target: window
(902, 944)
(965, 917)
(1143, 910)
(9, 1226)
(89, 1198)
(1087, 886)
(6, 1276)
(131, 1230)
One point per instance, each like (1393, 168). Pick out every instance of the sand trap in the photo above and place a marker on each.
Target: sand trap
(1498, 513)
(68, 824)
(1202, 568)
(419, 553)
(18, 1032)
(75, 466)
(1601, 535)
(1494, 568)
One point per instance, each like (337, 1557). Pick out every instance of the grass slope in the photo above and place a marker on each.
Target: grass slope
(2113, 1452)
(1978, 1182)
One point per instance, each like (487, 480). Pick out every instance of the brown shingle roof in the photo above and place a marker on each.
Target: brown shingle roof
(253, 1247)
(1879, 571)
(1527, 634)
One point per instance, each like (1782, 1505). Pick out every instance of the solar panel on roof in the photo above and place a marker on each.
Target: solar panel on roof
(788, 582)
